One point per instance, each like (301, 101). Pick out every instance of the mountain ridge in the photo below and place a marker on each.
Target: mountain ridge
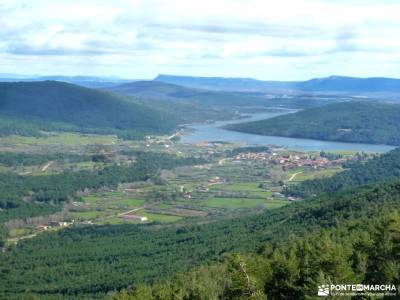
(81, 107)
(333, 83)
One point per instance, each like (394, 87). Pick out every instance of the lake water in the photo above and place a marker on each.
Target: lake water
(214, 132)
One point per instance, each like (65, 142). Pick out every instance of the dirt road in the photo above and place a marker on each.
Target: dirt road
(294, 175)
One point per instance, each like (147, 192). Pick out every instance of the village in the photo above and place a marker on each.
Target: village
(292, 161)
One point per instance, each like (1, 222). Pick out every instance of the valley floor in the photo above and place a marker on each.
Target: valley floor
(233, 181)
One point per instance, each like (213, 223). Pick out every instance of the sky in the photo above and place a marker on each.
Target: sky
(263, 39)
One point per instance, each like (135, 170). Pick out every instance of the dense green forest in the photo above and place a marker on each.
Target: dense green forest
(45, 193)
(28, 107)
(359, 173)
(11, 159)
(361, 122)
(361, 251)
(92, 261)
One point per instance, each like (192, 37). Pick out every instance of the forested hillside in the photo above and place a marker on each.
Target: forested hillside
(28, 107)
(386, 166)
(90, 261)
(351, 249)
(359, 122)
(11, 159)
(361, 251)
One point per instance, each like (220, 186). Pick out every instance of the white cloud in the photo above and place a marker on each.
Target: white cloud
(283, 39)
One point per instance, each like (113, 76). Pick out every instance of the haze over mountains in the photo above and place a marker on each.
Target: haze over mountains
(173, 92)
(86, 81)
(326, 84)
(332, 84)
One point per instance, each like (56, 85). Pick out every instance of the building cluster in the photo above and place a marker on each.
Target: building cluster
(215, 180)
(261, 156)
(205, 188)
(53, 224)
(291, 161)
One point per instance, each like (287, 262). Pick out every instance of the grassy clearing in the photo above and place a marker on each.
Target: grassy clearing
(86, 165)
(163, 206)
(271, 204)
(160, 217)
(112, 198)
(115, 194)
(130, 202)
(250, 188)
(18, 232)
(240, 187)
(90, 199)
(234, 202)
(105, 207)
(61, 138)
(4, 168)
(316, 174)
(86, 215)
(116, 221)
(260, 194)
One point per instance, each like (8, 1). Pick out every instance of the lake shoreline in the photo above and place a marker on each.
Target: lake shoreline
(216, 132)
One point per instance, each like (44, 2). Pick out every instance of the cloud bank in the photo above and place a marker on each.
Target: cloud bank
(285, 40)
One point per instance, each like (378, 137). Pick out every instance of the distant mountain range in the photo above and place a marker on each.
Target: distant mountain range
(351, 84)
(162, 93)
(338, 84)
(200, 96)
(331, 84)
(86, 81)
(227, 84)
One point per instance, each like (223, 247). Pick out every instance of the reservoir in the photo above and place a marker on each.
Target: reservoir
(214, 132)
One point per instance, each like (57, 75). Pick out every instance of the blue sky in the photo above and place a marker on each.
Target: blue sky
(281, 40)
